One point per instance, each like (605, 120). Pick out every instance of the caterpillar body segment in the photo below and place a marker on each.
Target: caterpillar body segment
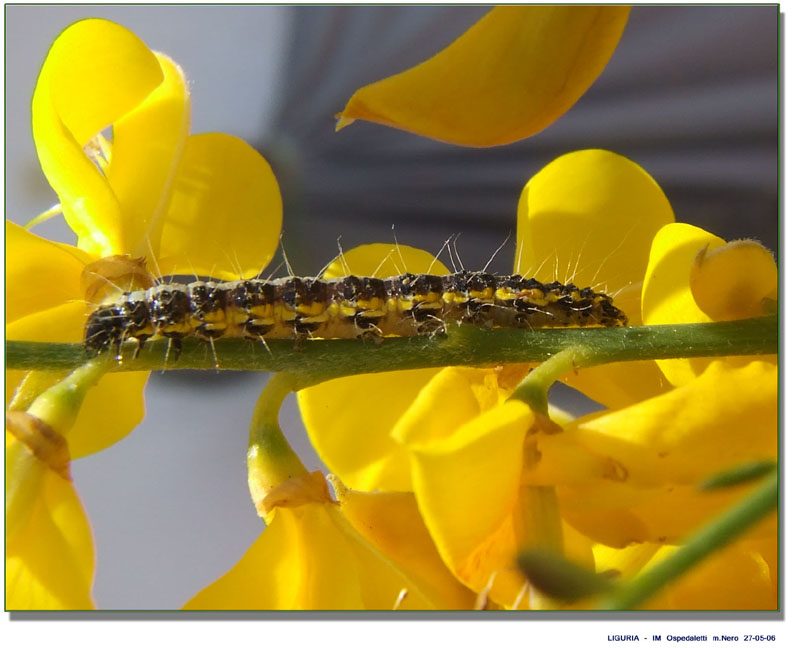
(349, 307)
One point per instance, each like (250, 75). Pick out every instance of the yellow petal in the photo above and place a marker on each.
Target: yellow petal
(509, 76)
(453, 397)
(49, 547)
(723, 418)
(589, 217)
(225, 214)
(467, 486)
(72, 102)
(309, 558)
(667, 295)
(147, 148)
(61, 323)
(730, 282)
(279, 572)
(112, 408)
(40, 274)
(392, 523)
(384, 260)
(350, 420)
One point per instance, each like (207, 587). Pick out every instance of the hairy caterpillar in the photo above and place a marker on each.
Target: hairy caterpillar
(348, 307)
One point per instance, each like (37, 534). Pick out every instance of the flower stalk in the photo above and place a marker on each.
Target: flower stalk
(270, 459)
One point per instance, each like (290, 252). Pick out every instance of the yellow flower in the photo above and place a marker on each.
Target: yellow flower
(49, 548)
(631, 475)
(365, 551)
(509, 76)
(205, 204)
(589, 216)
(479, 470)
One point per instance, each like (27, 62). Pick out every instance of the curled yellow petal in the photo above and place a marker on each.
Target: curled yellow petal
(589, 217)
(225, 213)
(467, 485)
(350, 420)
(72, 102)
(667, 296)
(509, 76)
(147, 147)
(730, 282)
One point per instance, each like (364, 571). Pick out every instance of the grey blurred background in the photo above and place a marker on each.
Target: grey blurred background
(691, 94)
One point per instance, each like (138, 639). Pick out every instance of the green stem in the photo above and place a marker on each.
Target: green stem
(464, 345)
(59, 405)
(715, 535)
(270, 458)
(535, 386)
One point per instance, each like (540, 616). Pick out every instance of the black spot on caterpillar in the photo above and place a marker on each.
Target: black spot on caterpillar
(348, 307)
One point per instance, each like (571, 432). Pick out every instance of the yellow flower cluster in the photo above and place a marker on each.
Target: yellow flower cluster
(441, 477)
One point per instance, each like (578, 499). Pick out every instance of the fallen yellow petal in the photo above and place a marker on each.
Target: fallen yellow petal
(509, 76)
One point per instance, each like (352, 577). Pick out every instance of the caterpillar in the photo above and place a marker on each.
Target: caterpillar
(348, 307)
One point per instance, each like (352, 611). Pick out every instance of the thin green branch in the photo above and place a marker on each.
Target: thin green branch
(270, 458)
(464, 345)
